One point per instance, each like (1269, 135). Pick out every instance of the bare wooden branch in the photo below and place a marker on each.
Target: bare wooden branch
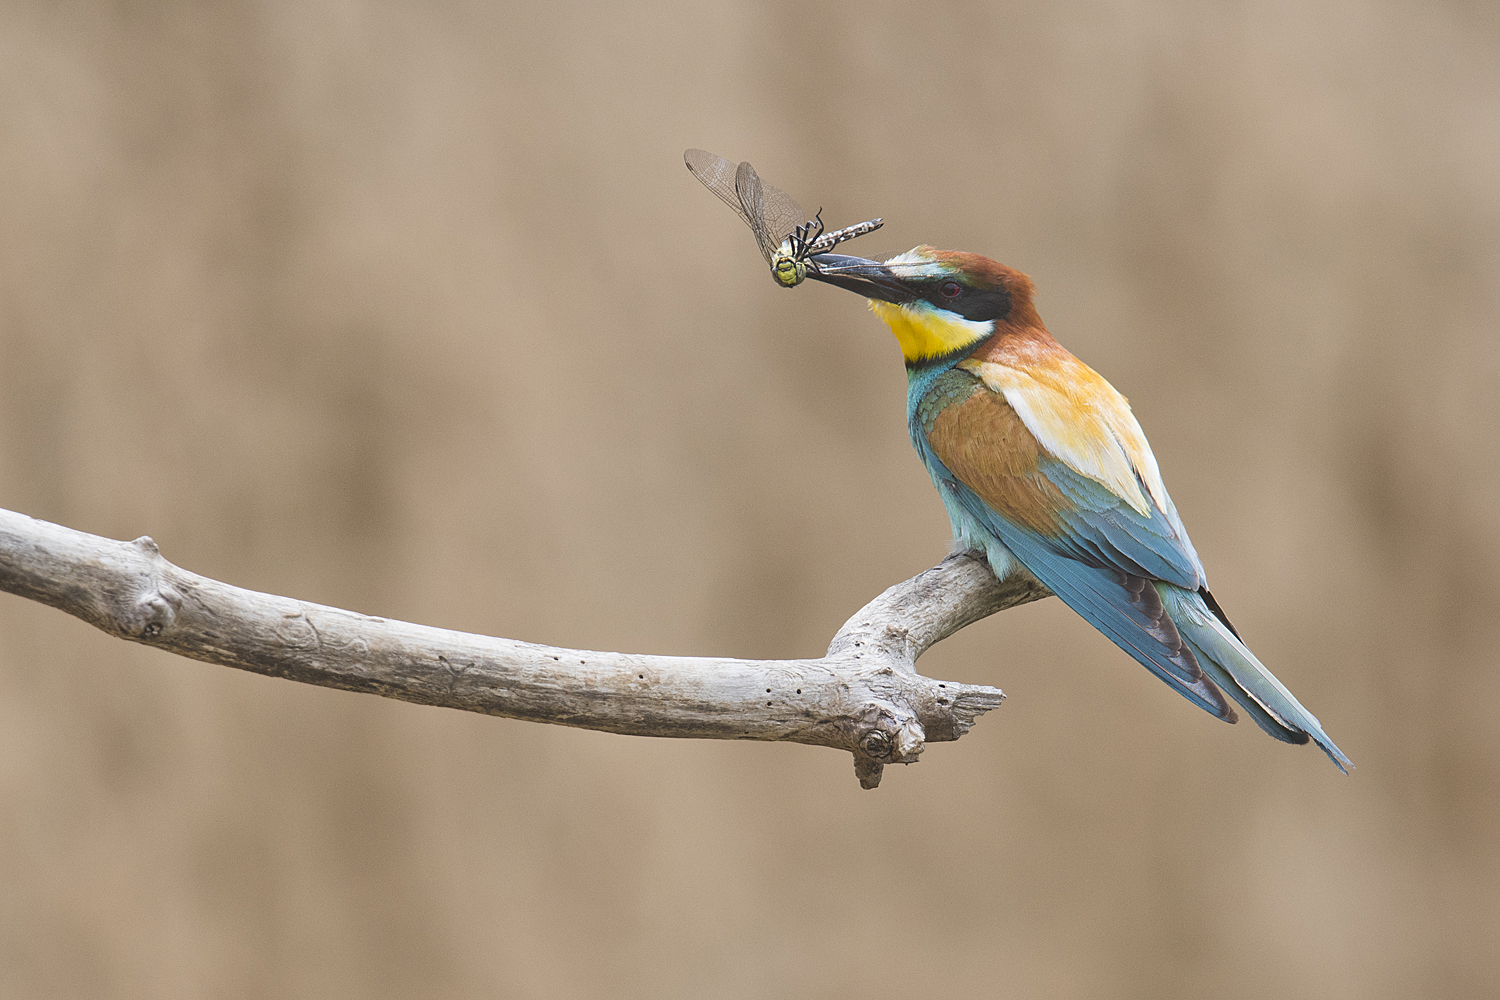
(864, 696)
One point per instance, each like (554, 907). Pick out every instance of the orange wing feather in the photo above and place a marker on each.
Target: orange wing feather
(1074, 414)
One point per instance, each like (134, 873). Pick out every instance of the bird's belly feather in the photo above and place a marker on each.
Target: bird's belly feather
(969, 535)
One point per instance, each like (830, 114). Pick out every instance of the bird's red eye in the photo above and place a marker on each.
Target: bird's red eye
(950, 289)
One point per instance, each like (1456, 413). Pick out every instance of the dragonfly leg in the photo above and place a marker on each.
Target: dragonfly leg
(813, 236)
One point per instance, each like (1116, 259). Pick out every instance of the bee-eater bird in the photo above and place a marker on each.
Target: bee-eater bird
(1041, 465)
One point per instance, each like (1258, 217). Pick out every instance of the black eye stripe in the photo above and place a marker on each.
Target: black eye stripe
(971, 303)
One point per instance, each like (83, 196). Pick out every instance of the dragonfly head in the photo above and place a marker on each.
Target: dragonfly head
(789, 269)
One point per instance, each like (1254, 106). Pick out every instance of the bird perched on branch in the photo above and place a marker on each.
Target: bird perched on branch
(1041, 465)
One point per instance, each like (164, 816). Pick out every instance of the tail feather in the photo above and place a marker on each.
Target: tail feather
(1226, 682)
(1232, 666)
(1213, 605)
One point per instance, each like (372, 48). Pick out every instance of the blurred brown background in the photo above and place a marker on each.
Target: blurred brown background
(413, 309)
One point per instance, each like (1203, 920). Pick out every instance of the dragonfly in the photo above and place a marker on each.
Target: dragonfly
(787, 238)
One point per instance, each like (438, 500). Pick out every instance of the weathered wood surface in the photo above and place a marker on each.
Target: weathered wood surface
(864, 696)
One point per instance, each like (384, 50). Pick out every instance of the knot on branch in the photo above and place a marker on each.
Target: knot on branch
(891, 736)
(886, 735)
(152, 609)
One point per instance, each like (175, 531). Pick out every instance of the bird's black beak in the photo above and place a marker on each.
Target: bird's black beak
(869, 278)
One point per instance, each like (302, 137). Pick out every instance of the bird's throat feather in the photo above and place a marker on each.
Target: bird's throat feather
(927, 333)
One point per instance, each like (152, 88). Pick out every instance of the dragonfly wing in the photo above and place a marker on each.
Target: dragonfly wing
(770, 212)
(721, 177)
(752, 195)
(782, 213)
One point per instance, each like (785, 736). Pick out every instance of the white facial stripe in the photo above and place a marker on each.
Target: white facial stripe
(910, 257)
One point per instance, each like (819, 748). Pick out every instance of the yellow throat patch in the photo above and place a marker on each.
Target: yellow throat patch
(926, 332)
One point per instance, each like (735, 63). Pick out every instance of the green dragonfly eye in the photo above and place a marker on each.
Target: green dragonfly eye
(789, 271)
